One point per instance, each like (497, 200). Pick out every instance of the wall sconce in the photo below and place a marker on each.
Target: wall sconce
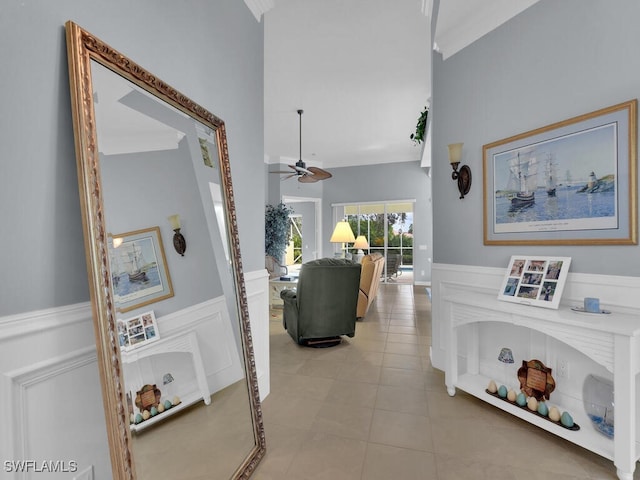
(342, 234)
(463, 176)
(179, 243)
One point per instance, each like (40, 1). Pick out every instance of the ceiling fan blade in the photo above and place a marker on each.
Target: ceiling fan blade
(289, 176)
(282, 171)
(319, 173)
(307, 179)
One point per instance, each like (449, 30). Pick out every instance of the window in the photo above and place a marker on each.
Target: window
(387, 226)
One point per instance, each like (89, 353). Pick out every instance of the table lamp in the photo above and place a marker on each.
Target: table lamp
(342, 234)
(506, 358)
(360, 244)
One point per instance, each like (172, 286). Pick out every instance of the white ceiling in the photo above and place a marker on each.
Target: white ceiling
(360, 70)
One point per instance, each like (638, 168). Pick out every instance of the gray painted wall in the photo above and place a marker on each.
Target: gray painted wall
(210, 50)
(140, 191)
(384, 182)
(552, 62)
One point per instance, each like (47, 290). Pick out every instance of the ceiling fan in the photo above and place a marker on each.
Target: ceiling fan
(300, 170)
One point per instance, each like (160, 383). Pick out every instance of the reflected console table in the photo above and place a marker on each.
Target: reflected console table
(612, 341)
(184, 342)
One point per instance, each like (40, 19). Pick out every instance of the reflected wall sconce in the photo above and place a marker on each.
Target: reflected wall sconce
(117, 242)
(342, 234)
(463, 176)
(179, 243)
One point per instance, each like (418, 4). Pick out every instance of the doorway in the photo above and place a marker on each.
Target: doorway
(307, 225)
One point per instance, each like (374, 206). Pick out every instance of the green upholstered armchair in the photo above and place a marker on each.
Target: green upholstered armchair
(323, 306)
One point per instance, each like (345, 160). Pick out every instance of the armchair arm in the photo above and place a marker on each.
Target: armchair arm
(290, 312)
(288, 295)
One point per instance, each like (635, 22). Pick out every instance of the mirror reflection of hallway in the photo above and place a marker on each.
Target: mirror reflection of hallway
(307, 223)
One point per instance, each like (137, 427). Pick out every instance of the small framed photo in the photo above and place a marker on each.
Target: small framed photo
(137, 331)
(536, 281)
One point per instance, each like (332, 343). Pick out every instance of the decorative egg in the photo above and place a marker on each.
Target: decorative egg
(160, 407)
(492, 387)
(554, 414)
(521, 399)
(146, 415)
(138, 418)
(532, 404)
(154, 411)
(511, 395)
(566, 419)
(502, 391)
(543, 409)
(167, 404)
(132, 418)
(176, 400)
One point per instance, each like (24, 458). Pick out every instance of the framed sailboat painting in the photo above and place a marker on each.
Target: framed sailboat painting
(139, 274)
(569, 183)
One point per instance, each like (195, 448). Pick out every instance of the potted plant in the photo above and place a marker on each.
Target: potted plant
(418, 136)
(277, 233)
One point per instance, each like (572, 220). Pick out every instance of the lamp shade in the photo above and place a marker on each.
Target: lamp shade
(175, 221)
(506, 355)
(342, 233)
(455, 152)
(361, 243)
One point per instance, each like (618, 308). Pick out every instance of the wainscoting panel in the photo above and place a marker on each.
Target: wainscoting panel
(51, 400)
(257, 284)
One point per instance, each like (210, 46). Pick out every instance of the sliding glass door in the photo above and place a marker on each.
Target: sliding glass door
(388, 228)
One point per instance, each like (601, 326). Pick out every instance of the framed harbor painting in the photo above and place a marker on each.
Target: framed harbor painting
(537, 281)
(139, 271)
(570, 183)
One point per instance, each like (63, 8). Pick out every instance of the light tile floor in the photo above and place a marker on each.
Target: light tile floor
(373, 408)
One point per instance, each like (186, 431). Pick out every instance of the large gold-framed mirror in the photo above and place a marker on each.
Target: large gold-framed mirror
(181, 401)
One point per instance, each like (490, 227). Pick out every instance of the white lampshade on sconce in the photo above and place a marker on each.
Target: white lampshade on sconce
(463, 175)
(342, 233)
(117, 241)
(179, 243)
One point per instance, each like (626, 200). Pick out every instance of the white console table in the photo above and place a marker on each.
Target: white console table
(609, 340)
(186, 342)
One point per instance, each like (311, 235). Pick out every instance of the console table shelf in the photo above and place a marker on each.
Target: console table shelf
(182, 342)
(612, 341)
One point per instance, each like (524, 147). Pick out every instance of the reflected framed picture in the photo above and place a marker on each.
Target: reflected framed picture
(570, 183)
(537, 281)
(138, 267)
(137, 331)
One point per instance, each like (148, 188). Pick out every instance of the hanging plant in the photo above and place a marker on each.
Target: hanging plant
(276, 229)
(418, 136)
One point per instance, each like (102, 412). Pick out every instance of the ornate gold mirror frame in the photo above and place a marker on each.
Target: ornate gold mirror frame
(83, 49)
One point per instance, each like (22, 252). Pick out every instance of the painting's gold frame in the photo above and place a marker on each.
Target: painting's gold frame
(163, 270)
(627, 111)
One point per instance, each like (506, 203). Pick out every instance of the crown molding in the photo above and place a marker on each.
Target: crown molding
(259, 7)
(459, 27)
